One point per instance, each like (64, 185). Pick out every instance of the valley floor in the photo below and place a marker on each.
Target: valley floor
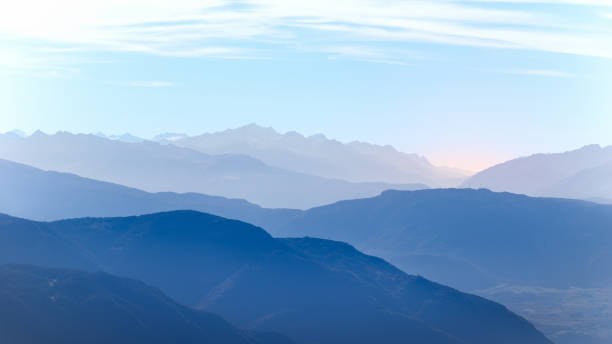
(567, 316)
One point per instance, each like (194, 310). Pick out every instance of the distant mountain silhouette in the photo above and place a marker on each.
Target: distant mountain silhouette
(43, 305)
(317, 155)
(46, 195)
(473, 238)
(590, 183)
(315, 291)
(583, 173)
(157, 168)
(381, 226)
(126, 137)
(169, 137)
(16, 132)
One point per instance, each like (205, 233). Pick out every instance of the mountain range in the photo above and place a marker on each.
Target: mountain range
(317, 155)
(476, 240)
(155, 167)
(500, 245)
(313, 290)
(473, 238)
(410, 229)
(450, 235)
(35, 194)
(585, 173)
(59, 306)
(126, 137)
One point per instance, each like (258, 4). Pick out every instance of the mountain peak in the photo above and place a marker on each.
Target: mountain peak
(591, 147)
(549, 174)
(170, 137)
(256, 128)
(17, 132)
(318, 137)
(39, 133)
(319, 155)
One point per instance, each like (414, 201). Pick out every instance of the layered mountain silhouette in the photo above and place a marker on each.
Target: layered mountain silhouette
(590, 183)
(409, 230)
(157, 168)
(473, 238)
(46, 195)
(126, 137)
(16, 132)
(449, 235)
(318, 155)
(313, 290)
(498, 245)
(169, 137)
(59, 306)
(584, 173)
(452, 235)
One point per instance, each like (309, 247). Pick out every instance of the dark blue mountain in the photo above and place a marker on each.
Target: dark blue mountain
(473, 238)
(423, 233)
(28, 242)
(546, 259)
(315, 291)
(58, 306)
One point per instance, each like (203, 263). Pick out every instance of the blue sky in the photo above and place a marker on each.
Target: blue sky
(466, 83)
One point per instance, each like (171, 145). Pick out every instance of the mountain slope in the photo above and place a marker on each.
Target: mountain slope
(317, 155)
(46, 195)
(532, 254)
(547, 174)
(474, 233)
(157, 168)
(591, 183)
(314, 290)
(42, 305)
(28, 242)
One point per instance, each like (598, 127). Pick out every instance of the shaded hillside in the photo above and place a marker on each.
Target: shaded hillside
(473, 238)
(43, 305)
(28, 242)
(476, 239)
(313, 290)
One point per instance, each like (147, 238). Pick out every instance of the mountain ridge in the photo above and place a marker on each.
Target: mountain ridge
(242, 273)
(552, 174)
(317, 155)
(153, 167)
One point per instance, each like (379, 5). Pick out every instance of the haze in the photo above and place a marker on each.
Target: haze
(306, 171)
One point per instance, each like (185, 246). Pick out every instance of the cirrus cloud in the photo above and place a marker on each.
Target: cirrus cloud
(243, 29)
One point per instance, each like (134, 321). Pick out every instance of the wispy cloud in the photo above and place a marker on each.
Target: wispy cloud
(223, 28)
(356, 51)
(371, 54)
(557, 2)
(152, 84)
(541, 72)
(37, 65)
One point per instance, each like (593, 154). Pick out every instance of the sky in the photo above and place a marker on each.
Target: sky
(466, 83)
